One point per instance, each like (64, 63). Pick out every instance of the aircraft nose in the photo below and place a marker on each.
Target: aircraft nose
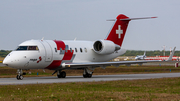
(6, 61)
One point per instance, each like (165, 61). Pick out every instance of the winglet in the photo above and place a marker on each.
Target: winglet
(171, 55)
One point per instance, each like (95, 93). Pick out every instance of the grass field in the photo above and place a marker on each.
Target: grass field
(165, 89)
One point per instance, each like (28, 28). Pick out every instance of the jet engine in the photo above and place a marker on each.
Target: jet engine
(105, 47)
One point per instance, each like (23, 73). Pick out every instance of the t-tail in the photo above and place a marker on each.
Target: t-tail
(118, 31)
(171, 55)
(145, 53)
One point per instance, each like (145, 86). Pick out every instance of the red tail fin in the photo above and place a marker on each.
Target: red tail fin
(118, 31)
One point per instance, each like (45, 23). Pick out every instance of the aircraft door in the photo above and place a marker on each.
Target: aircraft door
(48, 51)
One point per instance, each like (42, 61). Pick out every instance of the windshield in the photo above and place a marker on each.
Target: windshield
(27, 48)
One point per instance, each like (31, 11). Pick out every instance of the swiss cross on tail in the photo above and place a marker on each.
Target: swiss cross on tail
(118, 31)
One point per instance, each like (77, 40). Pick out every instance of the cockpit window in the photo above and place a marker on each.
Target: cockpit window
(33, 48)
(22, 48)
(27, 48)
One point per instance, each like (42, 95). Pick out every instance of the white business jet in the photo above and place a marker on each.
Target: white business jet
(141, 57)
(61, 55)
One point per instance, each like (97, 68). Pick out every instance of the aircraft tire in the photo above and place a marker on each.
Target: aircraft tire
(63, 74)
(19, 77)
(87, 75)
(59, 76)
(84, 75)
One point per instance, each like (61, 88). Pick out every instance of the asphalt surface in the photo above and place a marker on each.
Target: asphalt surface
(95, 78)
(1, 65)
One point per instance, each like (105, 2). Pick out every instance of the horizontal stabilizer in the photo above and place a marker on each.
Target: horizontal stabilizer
(132, 18)
(138, 18)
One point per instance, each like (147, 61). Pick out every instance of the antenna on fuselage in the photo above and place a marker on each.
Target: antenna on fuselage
(42, 39)
(75, 39)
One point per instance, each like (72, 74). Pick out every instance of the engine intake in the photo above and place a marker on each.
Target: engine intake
(105, 47)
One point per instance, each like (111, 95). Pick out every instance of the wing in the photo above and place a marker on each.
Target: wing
(117, 63)
(104, 64)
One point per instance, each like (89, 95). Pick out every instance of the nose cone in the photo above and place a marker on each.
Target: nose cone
(6, 61)
(15, 60)
(11, 60)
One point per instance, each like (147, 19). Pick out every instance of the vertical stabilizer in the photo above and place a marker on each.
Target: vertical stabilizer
(144, 53)
(118, 31)
(171, 55)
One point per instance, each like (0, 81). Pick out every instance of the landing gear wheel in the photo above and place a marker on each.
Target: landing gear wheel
(87, 75)
(90, 75)
(20, 74)
(62, 74)
(59, 76)
(84, 76)
(88, 72)
(19, 77)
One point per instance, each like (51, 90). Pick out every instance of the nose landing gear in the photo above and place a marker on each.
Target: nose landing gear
(20, 74)
(19, 77)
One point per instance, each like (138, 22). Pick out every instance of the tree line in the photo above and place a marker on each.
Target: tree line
(149, 53)
(3, 53)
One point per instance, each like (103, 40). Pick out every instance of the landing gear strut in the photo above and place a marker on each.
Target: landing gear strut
(20, 74)
(61, 74)
(87, 73)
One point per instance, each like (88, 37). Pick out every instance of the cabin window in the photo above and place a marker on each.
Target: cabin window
(76, 49)
(81, 50)
(61, 51)
(67, 48)
(85, 49)
(71, 50)
(55, 49)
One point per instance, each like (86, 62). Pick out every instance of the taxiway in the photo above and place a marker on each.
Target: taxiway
(95, 78)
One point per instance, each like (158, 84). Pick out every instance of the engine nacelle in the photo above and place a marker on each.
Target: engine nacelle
(105, 47)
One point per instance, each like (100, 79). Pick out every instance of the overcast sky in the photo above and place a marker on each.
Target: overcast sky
(22, 20)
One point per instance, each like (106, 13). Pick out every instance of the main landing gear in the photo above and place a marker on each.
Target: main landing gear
(61, 74)
(20, 74)
(87, 73)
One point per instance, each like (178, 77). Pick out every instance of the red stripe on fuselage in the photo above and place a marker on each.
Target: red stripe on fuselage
(67, 55)
(60, 44)
(54, 64)
(57, 63)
